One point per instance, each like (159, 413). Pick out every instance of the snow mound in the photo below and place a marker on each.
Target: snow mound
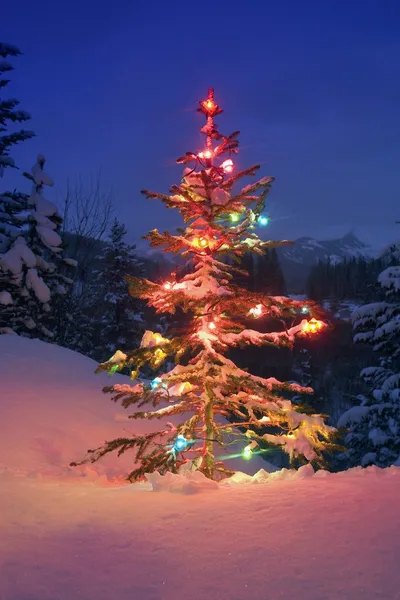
(52, 410)
(270, 534)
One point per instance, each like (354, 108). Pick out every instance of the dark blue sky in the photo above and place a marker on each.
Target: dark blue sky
(313, 86)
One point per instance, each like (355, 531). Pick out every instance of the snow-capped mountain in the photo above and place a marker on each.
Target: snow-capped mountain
(297, 260)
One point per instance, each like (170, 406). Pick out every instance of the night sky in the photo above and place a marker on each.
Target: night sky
(313, 86)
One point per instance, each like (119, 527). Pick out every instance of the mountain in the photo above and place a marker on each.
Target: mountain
(297, 260)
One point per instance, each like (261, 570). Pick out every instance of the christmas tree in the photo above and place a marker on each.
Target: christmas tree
(205, 393)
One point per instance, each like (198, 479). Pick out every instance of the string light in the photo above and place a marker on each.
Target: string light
(159, 356)
(207, 154)
(263, 220)
(212, 325)
(247, 453)
(227, 165)
(234, 217)
(304, 310)
(168, 285)
(158, 338)
(312, 326)
(200, 242)
(156, 382)
(256, 311)
(181, 443)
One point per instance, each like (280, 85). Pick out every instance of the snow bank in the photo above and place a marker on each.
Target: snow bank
(277, 535)
(320, 538)
(52, 409)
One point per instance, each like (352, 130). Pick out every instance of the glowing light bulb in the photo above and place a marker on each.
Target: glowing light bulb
(181, 443)
(263, 220)
(159, 356)
(247, 453)
(156, 382)
(227, 165)
(212, 325)
(312, 326)
(256, 311)
(203, 242)
(304, 310)
(210, 104)
(234, 217)
(167, 285)
(158, 338)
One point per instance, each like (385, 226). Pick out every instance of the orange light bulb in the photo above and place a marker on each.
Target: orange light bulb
(210, 104)
(167, 285)
(312, 326)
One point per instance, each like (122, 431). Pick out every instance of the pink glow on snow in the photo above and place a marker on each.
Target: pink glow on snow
(283, 536)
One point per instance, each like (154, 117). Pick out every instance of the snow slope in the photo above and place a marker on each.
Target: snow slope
(64, 537)
(54, 410)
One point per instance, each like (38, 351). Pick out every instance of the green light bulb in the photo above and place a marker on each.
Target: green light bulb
(247, 453)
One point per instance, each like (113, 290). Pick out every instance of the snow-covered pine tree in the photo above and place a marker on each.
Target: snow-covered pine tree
(374, 425)
(9, 113)
(32, 268)
(206, 387)
(12, 204)
(115, 317)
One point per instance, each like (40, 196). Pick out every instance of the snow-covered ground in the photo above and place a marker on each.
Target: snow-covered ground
(67, 535)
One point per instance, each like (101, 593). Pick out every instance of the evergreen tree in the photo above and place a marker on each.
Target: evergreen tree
(118, 318)
(9, 113)
(30, 270)
(350, 279)
(374, 436)
(12, 204)
(205, 386)
(269, 275)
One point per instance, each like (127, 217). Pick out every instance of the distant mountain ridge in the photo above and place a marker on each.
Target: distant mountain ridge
(297, 261)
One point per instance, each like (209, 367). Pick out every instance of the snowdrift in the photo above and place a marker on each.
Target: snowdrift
(274, 536)
(52, 409)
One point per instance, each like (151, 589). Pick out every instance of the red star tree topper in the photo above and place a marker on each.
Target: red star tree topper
(206, 388)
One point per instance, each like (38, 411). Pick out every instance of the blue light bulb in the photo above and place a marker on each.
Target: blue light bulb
(155, 383)
(180, 443)
(263, 220)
